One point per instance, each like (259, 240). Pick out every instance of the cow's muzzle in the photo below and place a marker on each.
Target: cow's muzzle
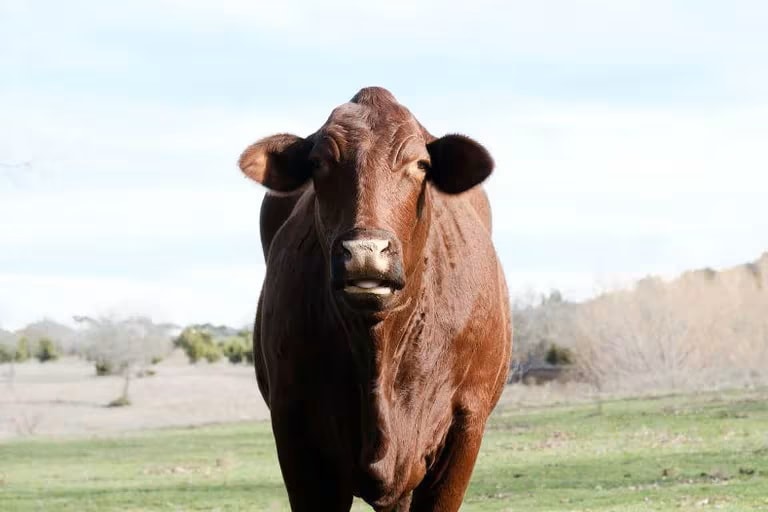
(367, 266)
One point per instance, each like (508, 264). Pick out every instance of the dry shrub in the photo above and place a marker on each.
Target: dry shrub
(703, 329)
(539, 328)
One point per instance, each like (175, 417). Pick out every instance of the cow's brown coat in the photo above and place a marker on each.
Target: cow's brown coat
(387, 403)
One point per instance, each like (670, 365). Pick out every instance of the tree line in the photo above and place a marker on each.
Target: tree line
(127, 347)
(705, 329)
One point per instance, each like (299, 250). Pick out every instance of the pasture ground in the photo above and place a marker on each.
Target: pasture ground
(679, 452)
(66, 398)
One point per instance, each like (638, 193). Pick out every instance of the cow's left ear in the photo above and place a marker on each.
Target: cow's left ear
(458, 163)
(278, 162)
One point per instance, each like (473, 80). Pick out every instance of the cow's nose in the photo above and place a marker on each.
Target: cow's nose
(370, 254)
(367, 262)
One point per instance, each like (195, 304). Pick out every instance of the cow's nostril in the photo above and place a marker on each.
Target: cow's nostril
(347, 254)
(387, 249)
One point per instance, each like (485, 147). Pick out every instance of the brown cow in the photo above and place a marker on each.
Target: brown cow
(383, 335)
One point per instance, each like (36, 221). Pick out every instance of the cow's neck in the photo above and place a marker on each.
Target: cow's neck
(395, 370)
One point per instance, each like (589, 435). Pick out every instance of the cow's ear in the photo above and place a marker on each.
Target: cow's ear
(458, 163)
(278, 162)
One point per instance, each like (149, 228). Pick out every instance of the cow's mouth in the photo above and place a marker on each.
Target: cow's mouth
(369, 286)
(369, 293)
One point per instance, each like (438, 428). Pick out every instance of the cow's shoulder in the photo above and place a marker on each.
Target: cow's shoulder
(294, 264)
(296, 315)
(290, 224)
(462, 240)
(275, 210)
(478, 200)
(471, 298)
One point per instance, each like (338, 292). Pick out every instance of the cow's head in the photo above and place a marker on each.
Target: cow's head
(370, 165)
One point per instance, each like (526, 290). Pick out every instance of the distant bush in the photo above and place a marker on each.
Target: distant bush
(104, 368)
(558, 356)
(8, 346)
(63, 337)
(247, 336)
(23, 353)
(6, 354)
(233, 349)
(212, 354)
(540, 325)
(237, 350)
(121, 401)
(249, 352)
(198, 344)
(46, 351)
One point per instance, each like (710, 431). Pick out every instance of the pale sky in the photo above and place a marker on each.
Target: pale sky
(630, 137)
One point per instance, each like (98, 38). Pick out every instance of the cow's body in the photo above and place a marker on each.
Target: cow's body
(388, 405)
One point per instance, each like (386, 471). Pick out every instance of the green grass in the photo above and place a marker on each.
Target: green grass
(672, 453)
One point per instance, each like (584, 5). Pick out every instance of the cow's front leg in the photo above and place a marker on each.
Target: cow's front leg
(443, 488)
(312, 479)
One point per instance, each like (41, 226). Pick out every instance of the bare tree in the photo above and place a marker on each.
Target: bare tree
(124, 345)
(700, 329)
(539, 322)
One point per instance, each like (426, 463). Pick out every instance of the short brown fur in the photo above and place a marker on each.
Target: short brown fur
(390, 403)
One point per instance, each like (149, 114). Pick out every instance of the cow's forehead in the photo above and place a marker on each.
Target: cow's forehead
(373, 114)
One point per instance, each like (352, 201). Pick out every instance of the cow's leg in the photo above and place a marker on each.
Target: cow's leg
(312, 480)
(444, 486)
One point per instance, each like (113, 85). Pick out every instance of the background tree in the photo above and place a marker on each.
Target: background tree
(7, 346)
(124, 345)
(46, 350)
(23, 350)
(238, 349)
(541, 333)
(7, 351)
(198, 344)
(702, 329)
(63, 337)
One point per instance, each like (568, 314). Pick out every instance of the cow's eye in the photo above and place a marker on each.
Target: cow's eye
(423, 165)
(317, 166)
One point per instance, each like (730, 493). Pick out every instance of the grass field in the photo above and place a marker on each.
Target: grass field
(691, 452)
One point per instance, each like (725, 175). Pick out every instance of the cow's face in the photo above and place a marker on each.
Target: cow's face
(370, 165)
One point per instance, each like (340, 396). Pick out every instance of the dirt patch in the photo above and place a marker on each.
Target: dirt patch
(65, 398)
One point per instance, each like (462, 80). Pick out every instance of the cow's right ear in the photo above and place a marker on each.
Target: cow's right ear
(278, 162)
